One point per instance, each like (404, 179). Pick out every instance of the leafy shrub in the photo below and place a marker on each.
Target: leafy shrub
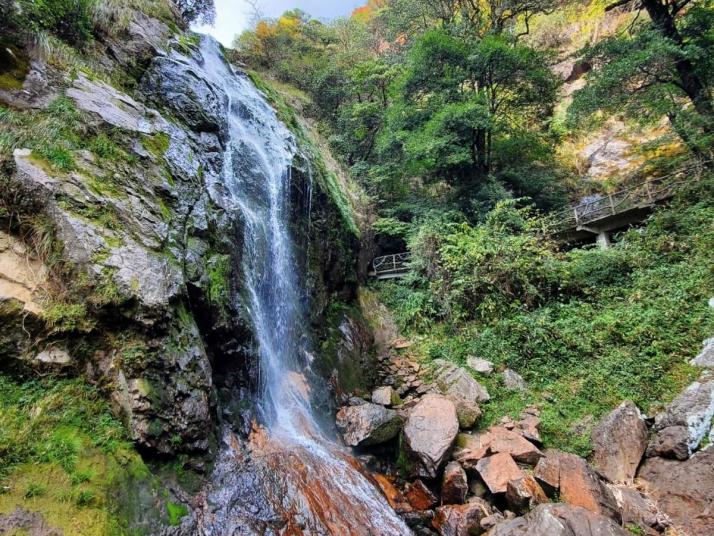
(69, 20)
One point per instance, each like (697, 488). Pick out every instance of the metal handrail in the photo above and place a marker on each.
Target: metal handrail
(641, 195)
(396, 262)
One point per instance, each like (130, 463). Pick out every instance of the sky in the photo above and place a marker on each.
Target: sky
(233, 15)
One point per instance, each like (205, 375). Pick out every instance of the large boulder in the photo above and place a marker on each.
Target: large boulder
(619, 442)
(514, 381)
(461, 519)
(367, 424)
(684, 490)
(685, 422)
(429, 434)
(577, 483)
(456, 381)
(559, 520)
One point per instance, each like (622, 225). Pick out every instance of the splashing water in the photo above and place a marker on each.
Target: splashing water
(315, 475)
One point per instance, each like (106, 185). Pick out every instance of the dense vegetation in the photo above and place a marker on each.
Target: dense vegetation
(450, 116)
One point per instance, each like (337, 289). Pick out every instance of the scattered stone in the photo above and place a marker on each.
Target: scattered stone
(491, 521)
(524, 493)
(367, 424)
(461, 519)
(429, 433)
(514, 381)
(420, 497)
(53, 356)
(529, 426)
(482, 366)
(559, 520)
(705, 359)
(685, 422)
(619, 442)
(499, 439)
(383, 395)
(466, 412)
(683, 490)
(394, 497)
(454, 484)
(497, 470)
(455, 381)
(577, 483)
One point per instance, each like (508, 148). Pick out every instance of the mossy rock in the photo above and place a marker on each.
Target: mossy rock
(14, 66)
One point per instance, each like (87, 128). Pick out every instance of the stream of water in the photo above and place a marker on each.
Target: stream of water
(321, 488)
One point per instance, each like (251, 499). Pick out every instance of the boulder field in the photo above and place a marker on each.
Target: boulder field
(644, 476)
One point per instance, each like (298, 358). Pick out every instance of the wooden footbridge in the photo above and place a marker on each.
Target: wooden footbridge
(596, 218)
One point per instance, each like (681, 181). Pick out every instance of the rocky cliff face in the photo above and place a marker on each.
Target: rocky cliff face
(129, 262)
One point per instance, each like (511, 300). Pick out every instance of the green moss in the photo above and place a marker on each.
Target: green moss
(188, 42)
(157, 144)
(175, 513)
(14, 66)
(67, 317)
(218, 271)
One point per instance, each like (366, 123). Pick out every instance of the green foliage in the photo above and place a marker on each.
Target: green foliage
(65, 317)
(35, 490)
(219, 271)
(586, 328)
(69, 20)
(49, 421)
(157, 144)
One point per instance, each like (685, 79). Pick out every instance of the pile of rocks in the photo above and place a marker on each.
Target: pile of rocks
(652, 476)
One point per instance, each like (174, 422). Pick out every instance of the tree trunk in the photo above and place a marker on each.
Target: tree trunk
(691, 83)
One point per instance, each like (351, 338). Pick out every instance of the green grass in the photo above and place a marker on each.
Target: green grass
(175, 513)
(622, 325)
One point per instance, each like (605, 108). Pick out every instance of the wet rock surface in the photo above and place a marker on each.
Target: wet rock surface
(367, 424)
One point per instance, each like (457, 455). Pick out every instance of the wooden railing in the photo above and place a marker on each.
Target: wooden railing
(388, 266)
(642, 195)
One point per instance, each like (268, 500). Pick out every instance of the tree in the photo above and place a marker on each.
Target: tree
(655, 70)
(459, 101)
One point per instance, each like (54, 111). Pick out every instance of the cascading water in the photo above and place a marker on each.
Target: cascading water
(313, 479)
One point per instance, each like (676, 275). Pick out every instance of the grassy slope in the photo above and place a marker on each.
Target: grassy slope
(640, 315)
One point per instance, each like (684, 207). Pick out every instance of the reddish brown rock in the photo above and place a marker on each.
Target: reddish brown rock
(578, 484)
(559, 520)
(684, 490)
(547, 472)
(454, 484)
(497, 470)
(461, 519)
(524, 493)
(520, 449)
(394, 497)
(420, 497)
(619, 442)
(499, 439)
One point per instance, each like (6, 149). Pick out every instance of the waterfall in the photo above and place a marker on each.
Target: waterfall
(256, 176)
